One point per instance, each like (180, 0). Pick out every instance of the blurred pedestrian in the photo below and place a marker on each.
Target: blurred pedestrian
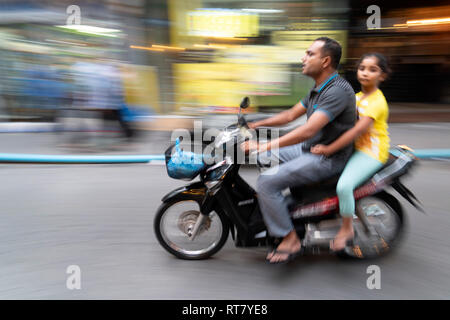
(97, 97)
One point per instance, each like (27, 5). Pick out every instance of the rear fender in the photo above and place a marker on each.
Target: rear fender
(392, 202)
(407, 194)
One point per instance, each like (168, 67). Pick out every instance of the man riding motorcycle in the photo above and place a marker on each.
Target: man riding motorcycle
(330, 109)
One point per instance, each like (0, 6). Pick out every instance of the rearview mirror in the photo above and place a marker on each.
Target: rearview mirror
(245, 102)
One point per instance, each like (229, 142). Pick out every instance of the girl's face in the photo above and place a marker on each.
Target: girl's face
(369, 73)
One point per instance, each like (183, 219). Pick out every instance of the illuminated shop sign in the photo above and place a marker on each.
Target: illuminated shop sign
(222, 23)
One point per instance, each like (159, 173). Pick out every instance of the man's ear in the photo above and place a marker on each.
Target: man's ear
(326, 62)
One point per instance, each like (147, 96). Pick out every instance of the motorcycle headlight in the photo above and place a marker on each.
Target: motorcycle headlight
(216, 174)
(213, 186)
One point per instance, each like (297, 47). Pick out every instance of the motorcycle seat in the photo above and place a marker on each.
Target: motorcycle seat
(328, 186)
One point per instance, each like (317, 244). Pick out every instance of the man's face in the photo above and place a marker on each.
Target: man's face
(313, 60)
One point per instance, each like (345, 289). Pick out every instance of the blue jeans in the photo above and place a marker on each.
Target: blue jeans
(296, 168)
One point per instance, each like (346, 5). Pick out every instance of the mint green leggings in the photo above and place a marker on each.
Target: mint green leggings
(358, 169)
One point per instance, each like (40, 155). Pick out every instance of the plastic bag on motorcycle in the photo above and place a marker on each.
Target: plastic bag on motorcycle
(183, 165)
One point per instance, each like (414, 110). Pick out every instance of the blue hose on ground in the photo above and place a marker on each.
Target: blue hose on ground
(71, 159)
(432, 153)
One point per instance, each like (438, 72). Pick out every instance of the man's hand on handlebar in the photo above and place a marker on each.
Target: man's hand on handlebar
(252, 146)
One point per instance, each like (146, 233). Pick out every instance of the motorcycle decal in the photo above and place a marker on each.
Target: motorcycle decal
(328, 205)
(243, 203)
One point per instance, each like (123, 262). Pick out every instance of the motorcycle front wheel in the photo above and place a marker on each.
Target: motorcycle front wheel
(174, 223)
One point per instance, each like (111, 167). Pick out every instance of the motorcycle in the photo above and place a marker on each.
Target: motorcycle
(194, 221)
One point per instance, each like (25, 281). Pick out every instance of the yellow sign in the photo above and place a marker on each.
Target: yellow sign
(141, 86)
(203, 85)
(301, 40)
(219, 87)
(222, 23)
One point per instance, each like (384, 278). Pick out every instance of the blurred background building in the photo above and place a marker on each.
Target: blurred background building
(195, 57)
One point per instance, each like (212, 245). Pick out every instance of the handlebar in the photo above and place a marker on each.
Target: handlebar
(242, 122)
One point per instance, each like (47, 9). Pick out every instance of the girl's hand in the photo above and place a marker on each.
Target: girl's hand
(321, 149)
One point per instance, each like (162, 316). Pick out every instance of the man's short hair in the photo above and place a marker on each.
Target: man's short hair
(331, 48)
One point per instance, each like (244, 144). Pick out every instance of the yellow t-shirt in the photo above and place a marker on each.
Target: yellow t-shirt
(375, 141)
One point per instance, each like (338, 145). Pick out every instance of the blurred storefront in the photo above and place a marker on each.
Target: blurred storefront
(236, 48)
(203, 56)
(40, 45)
(415, 35)
(247, 48)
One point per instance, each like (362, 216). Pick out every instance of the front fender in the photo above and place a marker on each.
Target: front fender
(195, 191)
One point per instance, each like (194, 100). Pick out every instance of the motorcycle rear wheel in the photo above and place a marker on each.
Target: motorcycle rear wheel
(387, 223)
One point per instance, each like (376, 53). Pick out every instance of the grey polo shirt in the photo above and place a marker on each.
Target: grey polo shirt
(336, 98)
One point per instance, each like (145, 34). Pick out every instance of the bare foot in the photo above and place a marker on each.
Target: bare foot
(340, 241)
